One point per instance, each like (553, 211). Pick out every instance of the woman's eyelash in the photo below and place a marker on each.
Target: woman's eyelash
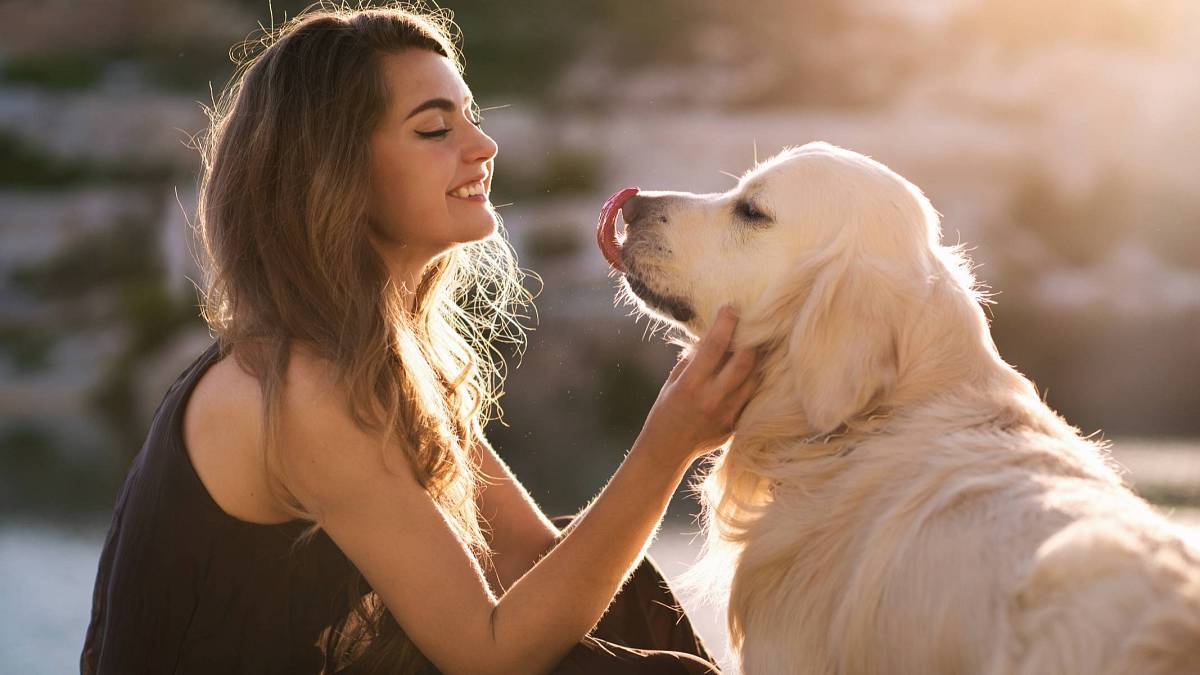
(438, 133)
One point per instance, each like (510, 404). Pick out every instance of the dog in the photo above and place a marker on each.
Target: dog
(896, 498)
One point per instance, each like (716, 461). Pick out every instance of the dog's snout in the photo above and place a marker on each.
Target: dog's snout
(629, 210)
(642, 209)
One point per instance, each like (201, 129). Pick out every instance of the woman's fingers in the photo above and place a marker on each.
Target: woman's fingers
(714, 343)
(680, 366)
(735, 371)
(741, 397)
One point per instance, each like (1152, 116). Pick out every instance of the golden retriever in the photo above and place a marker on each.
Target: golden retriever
(896, 498)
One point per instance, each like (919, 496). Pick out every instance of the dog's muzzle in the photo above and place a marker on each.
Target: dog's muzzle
(613, 249)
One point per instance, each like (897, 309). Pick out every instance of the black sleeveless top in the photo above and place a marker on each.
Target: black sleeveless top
(184, 587)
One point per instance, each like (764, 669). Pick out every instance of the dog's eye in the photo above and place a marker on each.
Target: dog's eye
(747, 211)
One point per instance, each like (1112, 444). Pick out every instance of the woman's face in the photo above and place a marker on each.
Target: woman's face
(424, 151)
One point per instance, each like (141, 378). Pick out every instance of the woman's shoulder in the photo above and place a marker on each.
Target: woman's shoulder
(323, 445)
(312, 379)
(223, 436)
(224, 433)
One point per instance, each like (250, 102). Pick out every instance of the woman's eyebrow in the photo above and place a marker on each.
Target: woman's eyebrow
(439, 103)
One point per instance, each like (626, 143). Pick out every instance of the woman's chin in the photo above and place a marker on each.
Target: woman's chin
(480, 214)
(480, 229)
(488, 224)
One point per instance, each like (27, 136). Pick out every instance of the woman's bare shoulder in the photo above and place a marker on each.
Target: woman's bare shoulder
(225, 440)
(325, 450)
(222, 435)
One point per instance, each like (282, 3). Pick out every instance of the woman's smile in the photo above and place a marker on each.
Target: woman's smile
(474, 192)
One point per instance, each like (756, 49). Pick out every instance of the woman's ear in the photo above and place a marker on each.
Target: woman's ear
(843, 345)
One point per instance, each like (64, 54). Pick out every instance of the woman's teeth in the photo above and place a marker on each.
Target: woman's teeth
(468, 190)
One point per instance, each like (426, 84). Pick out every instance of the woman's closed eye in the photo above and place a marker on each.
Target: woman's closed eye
(441, 133)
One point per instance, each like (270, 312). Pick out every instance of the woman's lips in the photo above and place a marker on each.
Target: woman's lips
(606, 229)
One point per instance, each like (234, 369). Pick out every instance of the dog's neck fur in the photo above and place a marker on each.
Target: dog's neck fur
(945, 350)
(966, 385)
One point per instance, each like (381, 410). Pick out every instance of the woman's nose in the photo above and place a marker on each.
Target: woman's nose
(483, 147)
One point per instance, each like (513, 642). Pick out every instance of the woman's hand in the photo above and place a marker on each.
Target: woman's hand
(702, 398)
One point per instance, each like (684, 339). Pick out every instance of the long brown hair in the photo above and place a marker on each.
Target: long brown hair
(284, 225)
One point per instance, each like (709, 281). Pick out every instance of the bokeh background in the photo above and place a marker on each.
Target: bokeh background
(1058, 138)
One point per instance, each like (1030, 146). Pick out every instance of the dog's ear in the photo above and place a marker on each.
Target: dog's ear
(844, 342)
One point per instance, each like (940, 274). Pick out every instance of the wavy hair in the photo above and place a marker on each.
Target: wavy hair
(283, 222)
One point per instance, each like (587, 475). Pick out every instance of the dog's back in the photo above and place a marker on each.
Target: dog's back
(1117, 592)
(989, 549)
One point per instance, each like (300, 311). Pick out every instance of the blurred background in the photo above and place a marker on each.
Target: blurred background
(1059, 139)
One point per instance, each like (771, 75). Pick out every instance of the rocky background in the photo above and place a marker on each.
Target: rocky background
(1059, 139)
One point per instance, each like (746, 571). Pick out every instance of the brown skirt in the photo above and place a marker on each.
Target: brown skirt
(645, 631)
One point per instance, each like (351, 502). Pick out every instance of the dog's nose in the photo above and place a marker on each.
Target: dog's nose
(641, 207)
(629, 210)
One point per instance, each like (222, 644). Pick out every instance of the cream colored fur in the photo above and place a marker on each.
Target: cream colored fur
(897, 498)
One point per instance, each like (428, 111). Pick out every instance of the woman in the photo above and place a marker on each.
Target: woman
(315, 493)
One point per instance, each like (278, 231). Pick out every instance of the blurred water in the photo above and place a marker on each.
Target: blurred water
(47, 572)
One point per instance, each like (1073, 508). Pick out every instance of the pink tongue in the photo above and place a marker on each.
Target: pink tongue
(606, 229)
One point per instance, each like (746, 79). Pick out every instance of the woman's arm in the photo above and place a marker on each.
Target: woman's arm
(519, 533)
(391, 529)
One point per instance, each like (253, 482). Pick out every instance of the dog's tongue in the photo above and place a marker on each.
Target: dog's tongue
(606, 229)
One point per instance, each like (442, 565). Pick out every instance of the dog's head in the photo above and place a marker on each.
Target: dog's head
(823, 251)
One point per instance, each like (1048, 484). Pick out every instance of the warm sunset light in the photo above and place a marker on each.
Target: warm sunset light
(1056, 141)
